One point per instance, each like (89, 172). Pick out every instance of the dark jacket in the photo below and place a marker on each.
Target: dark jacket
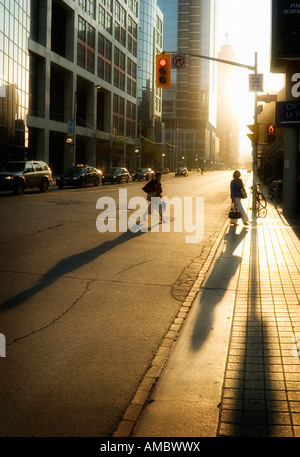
(235, 187)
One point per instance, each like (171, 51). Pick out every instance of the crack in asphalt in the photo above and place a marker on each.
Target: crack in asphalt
(132, 266)
(53, 320)
(179, 289)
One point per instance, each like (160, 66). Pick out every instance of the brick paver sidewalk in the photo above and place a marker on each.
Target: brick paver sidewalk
(261, 392)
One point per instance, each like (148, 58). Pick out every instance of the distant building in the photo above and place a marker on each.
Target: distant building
(227, 121)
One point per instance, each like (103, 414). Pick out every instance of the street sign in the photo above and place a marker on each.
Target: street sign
(177, 61)
(288, 114)
(267, 98)
(256, 82)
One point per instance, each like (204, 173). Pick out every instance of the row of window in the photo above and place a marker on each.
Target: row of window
(86, 58)
(90, 7)
(119, 116)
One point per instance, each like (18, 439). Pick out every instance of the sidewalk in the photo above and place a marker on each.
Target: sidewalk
(234, 367)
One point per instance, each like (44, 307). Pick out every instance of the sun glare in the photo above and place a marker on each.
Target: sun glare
(246, 27)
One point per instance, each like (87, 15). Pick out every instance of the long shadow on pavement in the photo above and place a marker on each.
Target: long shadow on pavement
(218, 281)
(66, 266)
(249, 405)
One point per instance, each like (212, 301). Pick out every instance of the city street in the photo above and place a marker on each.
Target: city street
(84, 312)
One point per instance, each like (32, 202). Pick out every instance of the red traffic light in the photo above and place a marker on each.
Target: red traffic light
(163, 70)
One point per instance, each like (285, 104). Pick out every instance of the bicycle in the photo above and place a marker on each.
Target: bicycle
(260, 203)
(276, 191)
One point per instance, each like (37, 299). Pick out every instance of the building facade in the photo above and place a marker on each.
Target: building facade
(74, 82)
(149, 96)
(14, 79)
(191, 119)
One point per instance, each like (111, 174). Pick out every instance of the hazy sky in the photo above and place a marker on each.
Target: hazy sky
(248, 23)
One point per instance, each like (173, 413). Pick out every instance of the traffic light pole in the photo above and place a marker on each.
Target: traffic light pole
(254, 143)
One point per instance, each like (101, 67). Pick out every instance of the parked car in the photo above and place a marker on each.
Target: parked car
(116, 174)
(23, 174)
(143, 173)
(183, 171)
(80, 176)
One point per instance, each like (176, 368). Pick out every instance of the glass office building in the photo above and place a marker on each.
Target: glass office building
(150, 44)
(68, 90)
(14, 79)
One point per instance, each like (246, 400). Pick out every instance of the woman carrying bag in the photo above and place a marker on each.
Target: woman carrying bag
(237, 191)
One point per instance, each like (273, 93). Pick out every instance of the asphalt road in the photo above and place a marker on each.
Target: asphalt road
(84, 312)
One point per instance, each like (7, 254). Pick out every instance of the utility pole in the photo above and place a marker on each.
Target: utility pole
(254, 147)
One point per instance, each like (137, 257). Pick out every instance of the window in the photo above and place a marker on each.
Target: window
(118, 114)
(132, 36)
(89, 6)
(105, 17)
(37, 166)
(86, 45)
(104, 58)
(120, 23)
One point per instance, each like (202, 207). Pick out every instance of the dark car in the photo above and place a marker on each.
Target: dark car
(181, 172)
(80, 176)
(116, 174)
(23, 174)
(143, 173)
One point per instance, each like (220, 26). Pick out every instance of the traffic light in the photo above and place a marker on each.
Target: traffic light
(253, 136)
(271, 134)
(163, 70)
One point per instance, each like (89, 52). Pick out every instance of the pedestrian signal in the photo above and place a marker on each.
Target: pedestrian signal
(163, 70)
(271, 134)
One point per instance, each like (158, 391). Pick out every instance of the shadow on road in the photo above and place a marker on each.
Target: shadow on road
(66, 266)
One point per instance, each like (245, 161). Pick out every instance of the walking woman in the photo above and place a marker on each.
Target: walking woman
(236, 186)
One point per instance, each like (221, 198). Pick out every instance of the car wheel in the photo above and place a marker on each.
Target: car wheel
(83, 183)
(44, 186)
(20, 187)
(120, 180)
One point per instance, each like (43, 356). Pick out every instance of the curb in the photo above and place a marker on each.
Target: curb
(141, 397)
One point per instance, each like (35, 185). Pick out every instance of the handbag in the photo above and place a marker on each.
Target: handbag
(243, 193)
(234, 214)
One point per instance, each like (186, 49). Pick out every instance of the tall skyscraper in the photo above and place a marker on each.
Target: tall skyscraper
(68, 71)
(191, 120)
(149, 44)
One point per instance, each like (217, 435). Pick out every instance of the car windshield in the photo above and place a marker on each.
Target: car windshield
(75, 170)
(115, 170)
(15, 166)
(143, 170)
